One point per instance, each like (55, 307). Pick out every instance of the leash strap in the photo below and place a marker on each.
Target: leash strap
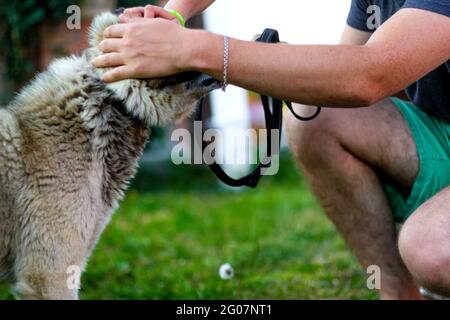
(273, 114)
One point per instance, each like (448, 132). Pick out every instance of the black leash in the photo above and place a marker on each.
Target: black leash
(273, 113)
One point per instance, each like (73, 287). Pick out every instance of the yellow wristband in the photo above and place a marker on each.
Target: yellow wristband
(179, 17)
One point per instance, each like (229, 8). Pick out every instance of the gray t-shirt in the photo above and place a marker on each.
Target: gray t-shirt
(431, 93)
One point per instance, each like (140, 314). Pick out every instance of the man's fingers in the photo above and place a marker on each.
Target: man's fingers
(157, 12)
(108, 60)
(137, 19)
(149, 12)
(110, 45)
(134, 12)
(117, 74)
(115, 31)
(124, 19)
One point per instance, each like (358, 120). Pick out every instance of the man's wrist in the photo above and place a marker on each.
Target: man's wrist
(204, 52)
(184, 12)
(178, 16)
(188, 8)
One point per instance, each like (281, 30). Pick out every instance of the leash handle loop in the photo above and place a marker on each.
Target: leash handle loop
(273, 114)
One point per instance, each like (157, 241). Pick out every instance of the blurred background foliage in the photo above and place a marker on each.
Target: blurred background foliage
(18, 22)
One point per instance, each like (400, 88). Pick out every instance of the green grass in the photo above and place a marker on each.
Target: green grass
(168, 240)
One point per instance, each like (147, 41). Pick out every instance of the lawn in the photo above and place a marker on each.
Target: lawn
(177, 226)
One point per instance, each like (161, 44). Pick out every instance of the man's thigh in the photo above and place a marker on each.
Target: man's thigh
(377, 135)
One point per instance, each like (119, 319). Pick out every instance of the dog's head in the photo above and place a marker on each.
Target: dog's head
(154, 101)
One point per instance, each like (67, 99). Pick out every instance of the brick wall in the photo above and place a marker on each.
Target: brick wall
(58, 40)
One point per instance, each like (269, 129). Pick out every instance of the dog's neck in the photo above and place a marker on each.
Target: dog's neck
(118, 139)
(84, 108)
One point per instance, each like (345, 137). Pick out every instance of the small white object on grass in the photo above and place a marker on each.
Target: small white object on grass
(226, 271)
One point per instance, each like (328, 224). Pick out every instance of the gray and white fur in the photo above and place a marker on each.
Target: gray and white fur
(69, 144)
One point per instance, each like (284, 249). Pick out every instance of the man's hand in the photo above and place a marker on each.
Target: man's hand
(147, 48)
(144, 44)
(148, 44)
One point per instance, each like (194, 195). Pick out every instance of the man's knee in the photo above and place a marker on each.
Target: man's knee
(308, 140)
(427, 255)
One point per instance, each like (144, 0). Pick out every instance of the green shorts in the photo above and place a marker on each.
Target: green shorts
(432, 138)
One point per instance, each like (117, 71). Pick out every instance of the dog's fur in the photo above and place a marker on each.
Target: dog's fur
(69, 144)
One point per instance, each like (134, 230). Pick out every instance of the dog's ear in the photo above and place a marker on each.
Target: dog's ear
(135, 94)
(98, 26)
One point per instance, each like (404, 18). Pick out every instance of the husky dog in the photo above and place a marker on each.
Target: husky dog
(69, 144)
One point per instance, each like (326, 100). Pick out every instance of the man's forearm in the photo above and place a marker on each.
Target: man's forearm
(335, 76)
(405, 48)
(188, 8)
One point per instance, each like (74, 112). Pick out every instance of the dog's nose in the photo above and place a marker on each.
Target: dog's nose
(119, 11)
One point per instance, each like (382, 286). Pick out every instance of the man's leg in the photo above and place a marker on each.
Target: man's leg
(341, 152)
(424, 243)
